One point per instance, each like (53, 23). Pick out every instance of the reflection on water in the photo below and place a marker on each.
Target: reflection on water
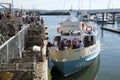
(89, 73)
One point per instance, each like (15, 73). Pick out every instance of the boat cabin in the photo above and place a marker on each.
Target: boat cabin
(72, 36)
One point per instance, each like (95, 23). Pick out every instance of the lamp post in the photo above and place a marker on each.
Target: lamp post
(12, 7)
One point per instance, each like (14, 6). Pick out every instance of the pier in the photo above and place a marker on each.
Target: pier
(18, 59)
(111, 29)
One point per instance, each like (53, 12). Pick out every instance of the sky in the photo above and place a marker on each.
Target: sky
(64, 4)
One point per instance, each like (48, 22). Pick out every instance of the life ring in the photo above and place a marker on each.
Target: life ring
(89, 29)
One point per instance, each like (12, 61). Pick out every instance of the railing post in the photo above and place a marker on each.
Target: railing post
(7, 53)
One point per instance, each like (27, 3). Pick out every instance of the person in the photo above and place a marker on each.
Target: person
(37, 20)
(62, 45)
(49, 44)
(77, 43)
(74, 44)
(81, 44)
(55, 42)
(66, 42)
(70, 44)
(42, 21)
(90, 40)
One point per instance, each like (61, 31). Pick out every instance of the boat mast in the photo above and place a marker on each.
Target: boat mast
(90, 5)
(109, 4)
(78, 5)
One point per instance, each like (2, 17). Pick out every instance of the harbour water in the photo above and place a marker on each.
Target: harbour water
(105, 67)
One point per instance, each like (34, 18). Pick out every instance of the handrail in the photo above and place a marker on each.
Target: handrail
(13, 47)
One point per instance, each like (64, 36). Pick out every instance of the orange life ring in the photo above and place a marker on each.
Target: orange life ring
(88, 29)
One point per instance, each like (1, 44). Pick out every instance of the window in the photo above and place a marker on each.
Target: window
(75, 33)
(65, 33)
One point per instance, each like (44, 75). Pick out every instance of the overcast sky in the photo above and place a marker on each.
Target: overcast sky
(64, 4)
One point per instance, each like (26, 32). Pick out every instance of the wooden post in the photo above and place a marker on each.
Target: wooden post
(114, 18)
(102, 19)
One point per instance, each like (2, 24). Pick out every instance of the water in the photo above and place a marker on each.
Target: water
(106, 66)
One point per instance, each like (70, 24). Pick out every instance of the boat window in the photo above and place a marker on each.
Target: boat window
(94, 39)
(65, 33)
(75, 33)
(89, 40)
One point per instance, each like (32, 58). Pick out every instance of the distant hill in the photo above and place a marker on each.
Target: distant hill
(50, 12)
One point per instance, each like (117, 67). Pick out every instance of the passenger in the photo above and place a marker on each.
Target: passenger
(55, 42)
(70, 44)
(90, 40)
(49, 44)
(62, 45)
(74, 44)
(81, 44)
(77, 43)
(66, 42)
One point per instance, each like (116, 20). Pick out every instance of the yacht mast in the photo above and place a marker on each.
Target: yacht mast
(109, 4)
(90, 5)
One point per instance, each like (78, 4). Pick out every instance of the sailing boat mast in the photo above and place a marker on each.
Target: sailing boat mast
(109, 4)
(90, 5)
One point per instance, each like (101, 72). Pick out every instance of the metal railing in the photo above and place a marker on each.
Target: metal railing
(13, 47)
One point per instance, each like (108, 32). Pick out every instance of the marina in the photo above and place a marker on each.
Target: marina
(60, 44)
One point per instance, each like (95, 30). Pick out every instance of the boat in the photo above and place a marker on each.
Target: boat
(75, 47)
(100, 19)
(118, 20)
(84, 16)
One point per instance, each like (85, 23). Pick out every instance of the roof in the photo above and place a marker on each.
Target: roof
(70, 26)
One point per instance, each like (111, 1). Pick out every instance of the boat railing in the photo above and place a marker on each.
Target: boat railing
(13, 47)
